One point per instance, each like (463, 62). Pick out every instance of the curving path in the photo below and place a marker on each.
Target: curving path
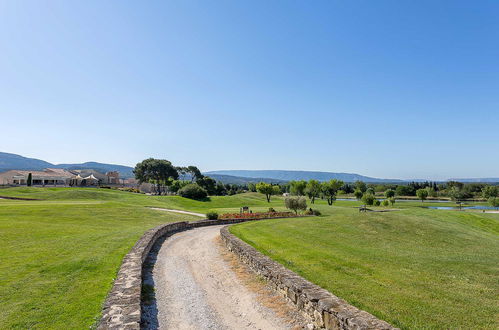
(195, 288)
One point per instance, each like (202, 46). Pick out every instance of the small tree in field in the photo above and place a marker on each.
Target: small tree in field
(391, 200)
(296, 203)
(329, 190)
(422, 194)
(29, 182)
(386, 203)
(369, 199)
(358, 194)
(312, 190)
(298, 187)
(390, 193)
(494, 202)
(267, 189)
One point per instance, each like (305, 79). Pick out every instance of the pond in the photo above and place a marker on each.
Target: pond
(476, 207)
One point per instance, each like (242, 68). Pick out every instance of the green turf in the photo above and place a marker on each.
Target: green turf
(59, 258)
(415, 268)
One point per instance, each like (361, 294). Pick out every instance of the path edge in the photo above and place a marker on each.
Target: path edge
(324, 309)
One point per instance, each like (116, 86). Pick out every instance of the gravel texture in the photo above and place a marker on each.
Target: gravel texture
(195, 288)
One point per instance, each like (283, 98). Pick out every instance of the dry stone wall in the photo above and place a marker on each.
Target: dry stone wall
(322, 308)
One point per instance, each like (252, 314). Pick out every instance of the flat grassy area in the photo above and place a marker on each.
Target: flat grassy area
(415, 268)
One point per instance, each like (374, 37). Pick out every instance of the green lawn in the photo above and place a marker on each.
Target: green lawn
(415, 268)
(58, 257)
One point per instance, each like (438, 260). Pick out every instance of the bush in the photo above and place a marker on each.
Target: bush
(312, 212)
(212, 215)
(368, 199)
(386, 203)
(193, 191)
(377, 202)
(271, 210)
(296, 203)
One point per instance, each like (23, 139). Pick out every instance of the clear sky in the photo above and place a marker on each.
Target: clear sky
(393, 89)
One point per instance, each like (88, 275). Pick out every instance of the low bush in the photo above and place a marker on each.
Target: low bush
(271, 210)
(212, 215)
(312, 212)
(193, 191)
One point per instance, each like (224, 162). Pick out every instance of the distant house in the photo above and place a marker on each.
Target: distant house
(49, 176)
(57, 177)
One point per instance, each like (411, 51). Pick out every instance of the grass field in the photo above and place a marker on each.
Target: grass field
(416, 268)
(59, 257)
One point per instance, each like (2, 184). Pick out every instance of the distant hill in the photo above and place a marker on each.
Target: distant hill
(477, 180)
(125, 171)
(16, 162)
(299, 175)
(240, 180)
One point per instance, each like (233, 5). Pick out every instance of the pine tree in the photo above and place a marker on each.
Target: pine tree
(29, 182)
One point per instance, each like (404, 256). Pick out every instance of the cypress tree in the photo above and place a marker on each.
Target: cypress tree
(30, 180)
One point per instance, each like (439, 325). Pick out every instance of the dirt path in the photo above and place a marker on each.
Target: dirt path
(196, 288)
(179, 211)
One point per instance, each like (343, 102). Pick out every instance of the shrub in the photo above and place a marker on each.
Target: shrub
(386, 203)
(377, 202)
(193, 191)
(296, 203)
(271, 210)
(312, 212)
(368, 199)
(212, 215)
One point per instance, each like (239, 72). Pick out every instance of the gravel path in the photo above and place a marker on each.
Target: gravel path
(195, 288)
(179, 211)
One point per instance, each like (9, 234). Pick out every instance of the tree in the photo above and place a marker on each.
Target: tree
(494, 202)
(29, 182)
(390, 193)
(360, 185)
(296, 203)
(391, 200)
(298, 187)
(490, 191)
(157, 171)
(252, 187)
(194, 172)
(312, 190)
(386, 203)
(358, 194)
(456, 194)
(329, 189)
(422, 194)
(267, 189)
(370, 191)
(368, 199)
(208, 184)
(193, 191)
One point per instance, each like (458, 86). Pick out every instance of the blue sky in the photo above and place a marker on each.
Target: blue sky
(394, 89)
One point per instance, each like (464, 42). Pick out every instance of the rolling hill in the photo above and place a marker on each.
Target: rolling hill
(10, 161)
(299, 175)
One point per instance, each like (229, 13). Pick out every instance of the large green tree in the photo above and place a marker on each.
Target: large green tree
(329, 189)
(267, 189)
(298, 187)
(313, 190)
(157, 171)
